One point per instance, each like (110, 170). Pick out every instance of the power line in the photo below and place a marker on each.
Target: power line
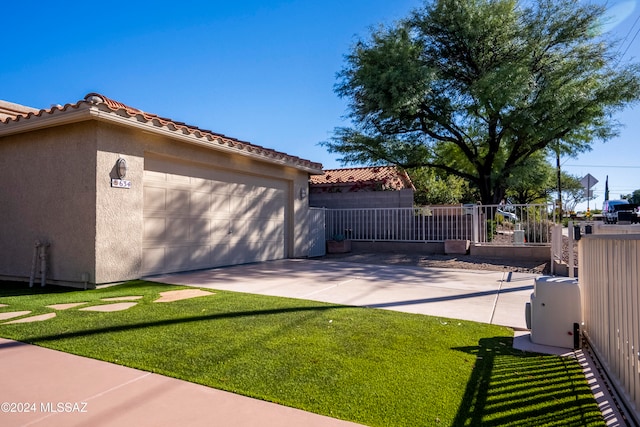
(627, 36)
(605, 166)
(630, 43)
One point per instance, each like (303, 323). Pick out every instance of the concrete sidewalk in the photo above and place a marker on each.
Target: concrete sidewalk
(54, 389)
(482, 296)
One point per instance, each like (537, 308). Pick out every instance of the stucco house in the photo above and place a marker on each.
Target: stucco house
(118, 193)
(361, 187)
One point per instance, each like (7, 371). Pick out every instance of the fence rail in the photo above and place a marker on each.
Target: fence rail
(484, 224)
(608, 277)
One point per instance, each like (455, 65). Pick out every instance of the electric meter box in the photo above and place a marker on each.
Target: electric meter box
(554, 309)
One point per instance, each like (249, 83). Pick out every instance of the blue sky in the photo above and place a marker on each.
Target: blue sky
(262, 72)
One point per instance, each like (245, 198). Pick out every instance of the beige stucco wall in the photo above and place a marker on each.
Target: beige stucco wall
(56, 187)
(118, 210)
(48, 194)
(119, 216)
(363, 199)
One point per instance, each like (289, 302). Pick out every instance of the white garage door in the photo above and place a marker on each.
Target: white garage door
(198, 218)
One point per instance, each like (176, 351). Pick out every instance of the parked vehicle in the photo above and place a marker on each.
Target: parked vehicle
(507, 211)
(619, 210)
(507, 215)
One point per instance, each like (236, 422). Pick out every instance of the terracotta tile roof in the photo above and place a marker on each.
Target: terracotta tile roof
(389, 177)
(11, 110)
(99, 107)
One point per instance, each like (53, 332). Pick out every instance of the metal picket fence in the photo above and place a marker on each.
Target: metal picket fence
(480, 224)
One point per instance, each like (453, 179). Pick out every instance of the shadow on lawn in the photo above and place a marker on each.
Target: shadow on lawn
(512, 387)
(168, 322)
(16, 289)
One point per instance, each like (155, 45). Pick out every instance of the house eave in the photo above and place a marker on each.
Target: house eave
(84, 111)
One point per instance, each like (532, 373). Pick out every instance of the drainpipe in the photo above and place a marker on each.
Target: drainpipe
(34, 263)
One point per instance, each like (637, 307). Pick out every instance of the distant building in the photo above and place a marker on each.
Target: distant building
(364, 187)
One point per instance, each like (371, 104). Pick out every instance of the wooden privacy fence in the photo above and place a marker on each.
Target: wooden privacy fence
(610, 287)
(484, 224)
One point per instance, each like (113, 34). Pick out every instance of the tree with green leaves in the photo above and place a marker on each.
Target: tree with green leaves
(474, 88)
(633, 198)
(573, 192)
(532, 181)
(439, 189)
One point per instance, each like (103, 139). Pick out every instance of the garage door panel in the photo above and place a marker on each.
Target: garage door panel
(155, 198)
(200, 203)
(219, 229)
(237, 205)
(220, 255)
(244, 252)
(273, 207)
(213, 218)
(178, 258)
(238, 235)
(177, 230)
(199, 257)
(200, 184)
(253, 207)
(255, 250)
(272, 251)
(150, 175)
(178, 178)
(177, 201)
(220, 187)
(188, 257)
(200, 230)
(220, 206)
(154, 228)
(271, 230)
(153, 260)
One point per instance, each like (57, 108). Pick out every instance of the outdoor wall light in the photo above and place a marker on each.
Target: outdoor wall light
(121, 168)
(303, 193)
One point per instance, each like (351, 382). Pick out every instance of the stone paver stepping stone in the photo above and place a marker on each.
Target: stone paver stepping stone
(65, 306)
(38, 318)
(4, 305)
(131, 298)
(170, 296)
(12, 314)
(110, 307)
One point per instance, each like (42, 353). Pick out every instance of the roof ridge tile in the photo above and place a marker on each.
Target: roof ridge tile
(112, 106)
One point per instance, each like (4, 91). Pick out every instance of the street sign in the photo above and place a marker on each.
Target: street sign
(588, 181)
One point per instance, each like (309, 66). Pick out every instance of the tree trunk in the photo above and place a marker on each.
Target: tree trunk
(491, 193)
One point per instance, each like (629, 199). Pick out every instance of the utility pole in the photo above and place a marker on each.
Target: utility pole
(559, 200)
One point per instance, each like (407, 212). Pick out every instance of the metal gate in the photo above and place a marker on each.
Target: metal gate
(317, 245)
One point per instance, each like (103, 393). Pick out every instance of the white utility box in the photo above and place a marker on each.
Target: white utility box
(554, 309)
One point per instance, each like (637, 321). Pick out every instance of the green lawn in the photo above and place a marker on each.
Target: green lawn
(375, 367)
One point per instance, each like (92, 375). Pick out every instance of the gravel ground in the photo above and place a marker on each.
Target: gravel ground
(464, 262)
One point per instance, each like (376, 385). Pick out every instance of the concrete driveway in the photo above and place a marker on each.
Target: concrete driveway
(483, 296)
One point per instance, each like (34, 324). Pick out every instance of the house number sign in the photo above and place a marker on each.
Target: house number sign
(120, 183)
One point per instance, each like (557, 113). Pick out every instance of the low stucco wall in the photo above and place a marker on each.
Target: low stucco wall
(399, 247)
(533, 253)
